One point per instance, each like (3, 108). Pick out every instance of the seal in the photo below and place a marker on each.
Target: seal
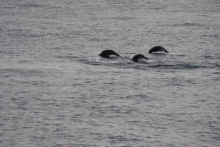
(108, 53)
(137, 57)
(157, 49)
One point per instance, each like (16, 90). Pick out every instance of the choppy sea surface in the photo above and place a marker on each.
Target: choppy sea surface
(55, 91)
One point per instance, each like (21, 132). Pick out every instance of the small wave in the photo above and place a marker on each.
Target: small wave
(217, 65)
(125, 63)
(100, 61)
(178, 66)
(31, 5)
(189, 25)
(15, 72)
(67, 57)
(146, 64)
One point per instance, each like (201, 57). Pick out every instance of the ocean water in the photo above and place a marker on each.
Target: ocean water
(55, 91)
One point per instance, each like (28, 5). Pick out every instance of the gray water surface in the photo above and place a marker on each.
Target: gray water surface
(55, 91)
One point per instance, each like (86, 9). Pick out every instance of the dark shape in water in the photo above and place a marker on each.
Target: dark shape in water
(138, 56)
(157, 49)
(108, 53)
